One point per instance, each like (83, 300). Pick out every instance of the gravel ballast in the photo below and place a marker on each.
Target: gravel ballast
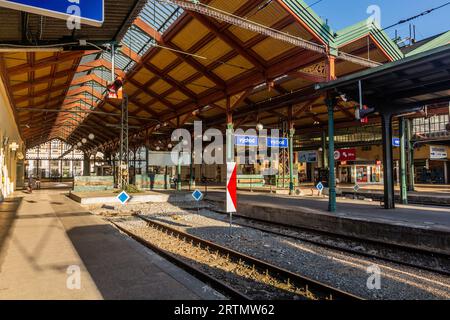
(347, 272)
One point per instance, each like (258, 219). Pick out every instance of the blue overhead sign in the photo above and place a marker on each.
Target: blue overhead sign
(282, 143)
(396, 142)
(246, 141)
(91, 12)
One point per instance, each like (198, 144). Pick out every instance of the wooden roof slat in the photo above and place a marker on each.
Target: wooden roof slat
(229, 39)
(47, 62)
(145, 27)
(180, 86)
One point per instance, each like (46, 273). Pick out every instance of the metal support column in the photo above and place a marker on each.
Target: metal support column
(180, 157)
(324, 149)
(291, 150)
(191, 169)
(124, 150)
(178, 169)
(229, 142)
(389, 200)
(113, 157)
(403, 180)
(410, 144)
(86, 164)
(146, 161)
(229, 133)
(331, 180)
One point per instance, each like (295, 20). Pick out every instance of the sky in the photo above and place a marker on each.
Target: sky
(342, 13)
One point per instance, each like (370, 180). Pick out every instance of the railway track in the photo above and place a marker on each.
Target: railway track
(271, 228)
(285, 284)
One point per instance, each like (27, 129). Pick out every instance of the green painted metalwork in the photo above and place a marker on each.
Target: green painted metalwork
(335, 40)
(291, 161)
(403, 183)
(313, 21)
(362, 29)
(324, 149)
(250, 181)
(153, 181)
(93, 183)
(411, 186)
(179, 173)
(230, 143)
(331, 180)
(439, 41)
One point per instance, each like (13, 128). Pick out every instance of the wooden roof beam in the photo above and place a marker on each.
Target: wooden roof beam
(90, 77)
(179, 85)
(229, 39)
(87, 89)
(142, 88)
(98, 64)
(151, 32)
(40, 93)
(43, 63)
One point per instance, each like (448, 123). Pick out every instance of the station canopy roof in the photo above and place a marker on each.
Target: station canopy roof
(180, 66)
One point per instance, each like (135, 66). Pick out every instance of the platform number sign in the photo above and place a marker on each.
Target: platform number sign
(320, 187)
(197, 195)
(123, 197)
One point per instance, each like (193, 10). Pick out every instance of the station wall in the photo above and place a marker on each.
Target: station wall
(11, 147)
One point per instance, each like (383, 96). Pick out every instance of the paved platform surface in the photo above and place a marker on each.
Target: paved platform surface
(44, 235)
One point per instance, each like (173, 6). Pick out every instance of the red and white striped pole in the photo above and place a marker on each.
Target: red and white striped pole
(231, 187)
(231, 204)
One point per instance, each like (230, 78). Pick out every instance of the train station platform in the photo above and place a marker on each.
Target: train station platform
(424, 193)
(45, 238)
(414, 226)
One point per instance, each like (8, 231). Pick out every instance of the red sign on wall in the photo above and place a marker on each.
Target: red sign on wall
(345, 155)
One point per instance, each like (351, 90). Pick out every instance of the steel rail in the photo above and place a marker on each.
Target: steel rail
(430, 255)
(321, 290)
(213, 282)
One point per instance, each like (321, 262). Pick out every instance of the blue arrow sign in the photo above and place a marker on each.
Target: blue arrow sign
(123, 197)
(197, 195)
(246, 141)
(91, 12)
(282, 143)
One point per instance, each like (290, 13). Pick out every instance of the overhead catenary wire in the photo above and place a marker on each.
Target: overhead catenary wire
(424, 13)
